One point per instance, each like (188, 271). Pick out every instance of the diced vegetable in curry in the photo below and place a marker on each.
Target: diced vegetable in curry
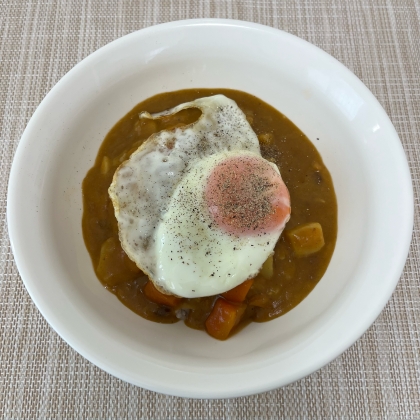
(306, 239)
(238, 293)
(223, 318)
(267, 270)
(160, 298)
(301, 255)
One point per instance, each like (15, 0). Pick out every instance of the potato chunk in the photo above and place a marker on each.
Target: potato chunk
(266, 138)
(105, 165)
(267, 270)
(114, 266)
(306, 239)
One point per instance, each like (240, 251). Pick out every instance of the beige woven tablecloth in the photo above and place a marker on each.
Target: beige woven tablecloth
(42, 377)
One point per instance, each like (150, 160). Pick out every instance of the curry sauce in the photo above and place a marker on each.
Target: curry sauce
(291, 274)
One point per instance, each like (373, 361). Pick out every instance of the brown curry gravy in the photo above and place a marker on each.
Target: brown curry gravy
(312, 199)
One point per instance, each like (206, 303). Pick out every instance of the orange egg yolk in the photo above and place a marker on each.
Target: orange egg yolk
(247, 196)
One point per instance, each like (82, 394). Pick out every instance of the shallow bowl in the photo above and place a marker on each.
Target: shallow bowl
(323, 98)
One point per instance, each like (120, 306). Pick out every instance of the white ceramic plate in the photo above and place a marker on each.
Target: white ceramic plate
(324, 99)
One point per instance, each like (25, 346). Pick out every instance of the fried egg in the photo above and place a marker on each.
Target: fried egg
(198, 209)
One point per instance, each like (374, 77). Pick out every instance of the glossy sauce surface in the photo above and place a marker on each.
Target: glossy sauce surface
(312, 198)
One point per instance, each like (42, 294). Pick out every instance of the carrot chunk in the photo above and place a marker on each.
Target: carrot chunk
(158, 297)
(238, 293)
(223, 317)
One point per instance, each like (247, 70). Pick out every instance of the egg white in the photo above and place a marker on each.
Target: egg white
(143, 186)
(195, 257)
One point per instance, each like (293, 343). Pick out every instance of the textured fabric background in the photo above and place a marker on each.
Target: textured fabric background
(42, 377)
